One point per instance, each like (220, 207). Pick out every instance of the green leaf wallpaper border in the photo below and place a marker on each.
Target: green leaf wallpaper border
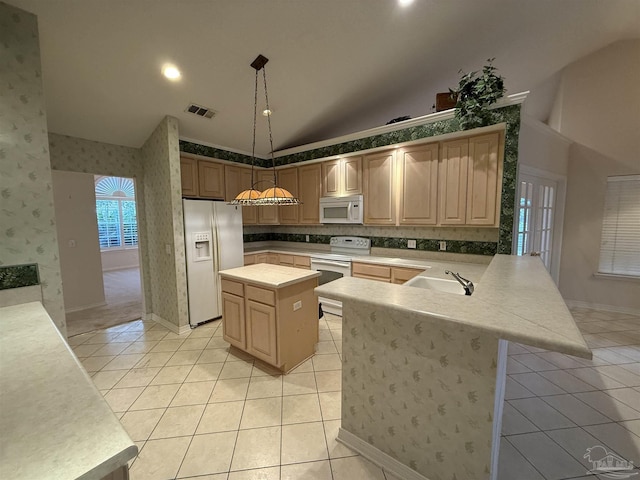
(509, 115)
(429, 245)
(15, 276)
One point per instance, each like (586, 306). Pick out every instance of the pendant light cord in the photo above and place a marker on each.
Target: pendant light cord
(266, 98)
(253, 146)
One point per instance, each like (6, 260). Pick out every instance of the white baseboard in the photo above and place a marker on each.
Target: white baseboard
(378, 457)
(171, 326)
(600, 306)
(84, 307)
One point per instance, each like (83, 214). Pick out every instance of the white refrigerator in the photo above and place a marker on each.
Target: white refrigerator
(213, 242)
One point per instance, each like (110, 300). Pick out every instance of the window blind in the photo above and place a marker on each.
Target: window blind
(620, 243)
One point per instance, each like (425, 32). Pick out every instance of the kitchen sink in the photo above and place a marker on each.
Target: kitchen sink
(439, 284)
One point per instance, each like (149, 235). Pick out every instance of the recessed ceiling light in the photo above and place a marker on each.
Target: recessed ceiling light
(267, 113)
(171, 72)
(405, 3)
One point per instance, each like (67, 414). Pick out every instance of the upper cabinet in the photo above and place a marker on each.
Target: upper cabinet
(309, 184)
(378, 189)
(211, 179)
(267, 214)
(288, 179)
(342, 177)
(484, 185)
(189, 176)
(470, 180)
(238, 179)
(418, 173)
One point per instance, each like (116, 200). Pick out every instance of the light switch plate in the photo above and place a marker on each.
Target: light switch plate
(443, 245)
(411, 244)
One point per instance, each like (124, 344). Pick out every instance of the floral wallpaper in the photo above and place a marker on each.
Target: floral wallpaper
(28, 232)
(419, 390)
(73, 154)
(163, 207)
(16, 276)
(220, 154)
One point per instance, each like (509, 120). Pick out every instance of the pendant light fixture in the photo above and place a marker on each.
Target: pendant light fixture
(273, 195)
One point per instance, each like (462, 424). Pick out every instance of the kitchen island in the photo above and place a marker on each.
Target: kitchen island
(423, 371)
(271, 312)
(54, 422)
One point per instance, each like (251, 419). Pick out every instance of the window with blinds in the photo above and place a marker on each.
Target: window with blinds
(620, 244)
(116, 212)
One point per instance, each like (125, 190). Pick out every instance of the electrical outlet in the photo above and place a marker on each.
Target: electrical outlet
(307, 238)
(443, 245)
(297, 305)
(411, 244)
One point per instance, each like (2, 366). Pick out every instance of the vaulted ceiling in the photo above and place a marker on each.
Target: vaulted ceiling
(336, 66)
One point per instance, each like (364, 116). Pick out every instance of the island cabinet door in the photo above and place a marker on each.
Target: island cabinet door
(261, 331)
(233, 322)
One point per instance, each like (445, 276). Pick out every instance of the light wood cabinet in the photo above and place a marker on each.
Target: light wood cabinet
(267, 214)
(250, 259)
(276, 325)
(418, 173)
(189, 176)
(384, 273)
(288, 179)
(484, 180)
(309, 184)
(261, 331)
(210, 179)
(454, 162)
(378, 189)
(470, 181)
(236, 180)
(234, 324)
(297, 261)
(342, 177)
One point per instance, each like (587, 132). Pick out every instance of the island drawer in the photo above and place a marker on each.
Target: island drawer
(261, 295)
(369, 270)
(230, 286)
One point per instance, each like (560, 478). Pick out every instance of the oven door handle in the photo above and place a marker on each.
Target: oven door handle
(335, 264)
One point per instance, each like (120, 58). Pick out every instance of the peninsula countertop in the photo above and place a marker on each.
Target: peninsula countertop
(268, 275)
(54, 421)
(515, 300)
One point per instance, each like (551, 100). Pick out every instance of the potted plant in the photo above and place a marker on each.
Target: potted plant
(475, 94)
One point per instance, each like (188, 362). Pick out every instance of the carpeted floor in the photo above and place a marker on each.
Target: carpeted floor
(124, 303)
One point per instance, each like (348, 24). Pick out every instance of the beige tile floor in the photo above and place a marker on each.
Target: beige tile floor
(197, 409)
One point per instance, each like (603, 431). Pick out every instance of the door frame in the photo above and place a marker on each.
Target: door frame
(558, 221)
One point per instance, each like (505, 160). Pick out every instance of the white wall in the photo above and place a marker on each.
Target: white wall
(119, 259)
(598, 107)
(75, 206)
(541, 147)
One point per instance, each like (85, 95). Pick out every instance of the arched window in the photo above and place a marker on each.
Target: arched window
(116, 212)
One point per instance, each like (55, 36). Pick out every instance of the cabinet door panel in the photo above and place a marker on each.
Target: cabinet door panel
(233, 323)
(261, 331)
(189, 177)
(309, 182)
(331, 178)
(482, 193)
(236, 180)
(379, 200)
(266, 214)
(352, 176)
(419, 182)
(211, 179)
(288, 179)
(453, 182)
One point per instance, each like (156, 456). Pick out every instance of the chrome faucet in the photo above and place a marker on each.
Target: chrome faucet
(466, 284)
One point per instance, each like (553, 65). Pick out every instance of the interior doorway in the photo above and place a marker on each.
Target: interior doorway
(117, 238)
(539, 216)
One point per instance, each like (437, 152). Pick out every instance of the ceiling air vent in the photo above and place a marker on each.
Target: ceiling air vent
(200, 111)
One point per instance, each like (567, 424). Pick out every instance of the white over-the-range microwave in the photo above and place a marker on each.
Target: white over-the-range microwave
(341, 209)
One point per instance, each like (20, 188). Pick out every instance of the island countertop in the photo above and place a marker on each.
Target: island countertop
(515, 300)
(268, 275)
(54, 421)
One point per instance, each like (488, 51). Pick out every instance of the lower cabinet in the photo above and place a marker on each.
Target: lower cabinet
(276, 325)
(383, 273)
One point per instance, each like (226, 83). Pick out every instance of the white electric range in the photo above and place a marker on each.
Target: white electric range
(337, 264)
